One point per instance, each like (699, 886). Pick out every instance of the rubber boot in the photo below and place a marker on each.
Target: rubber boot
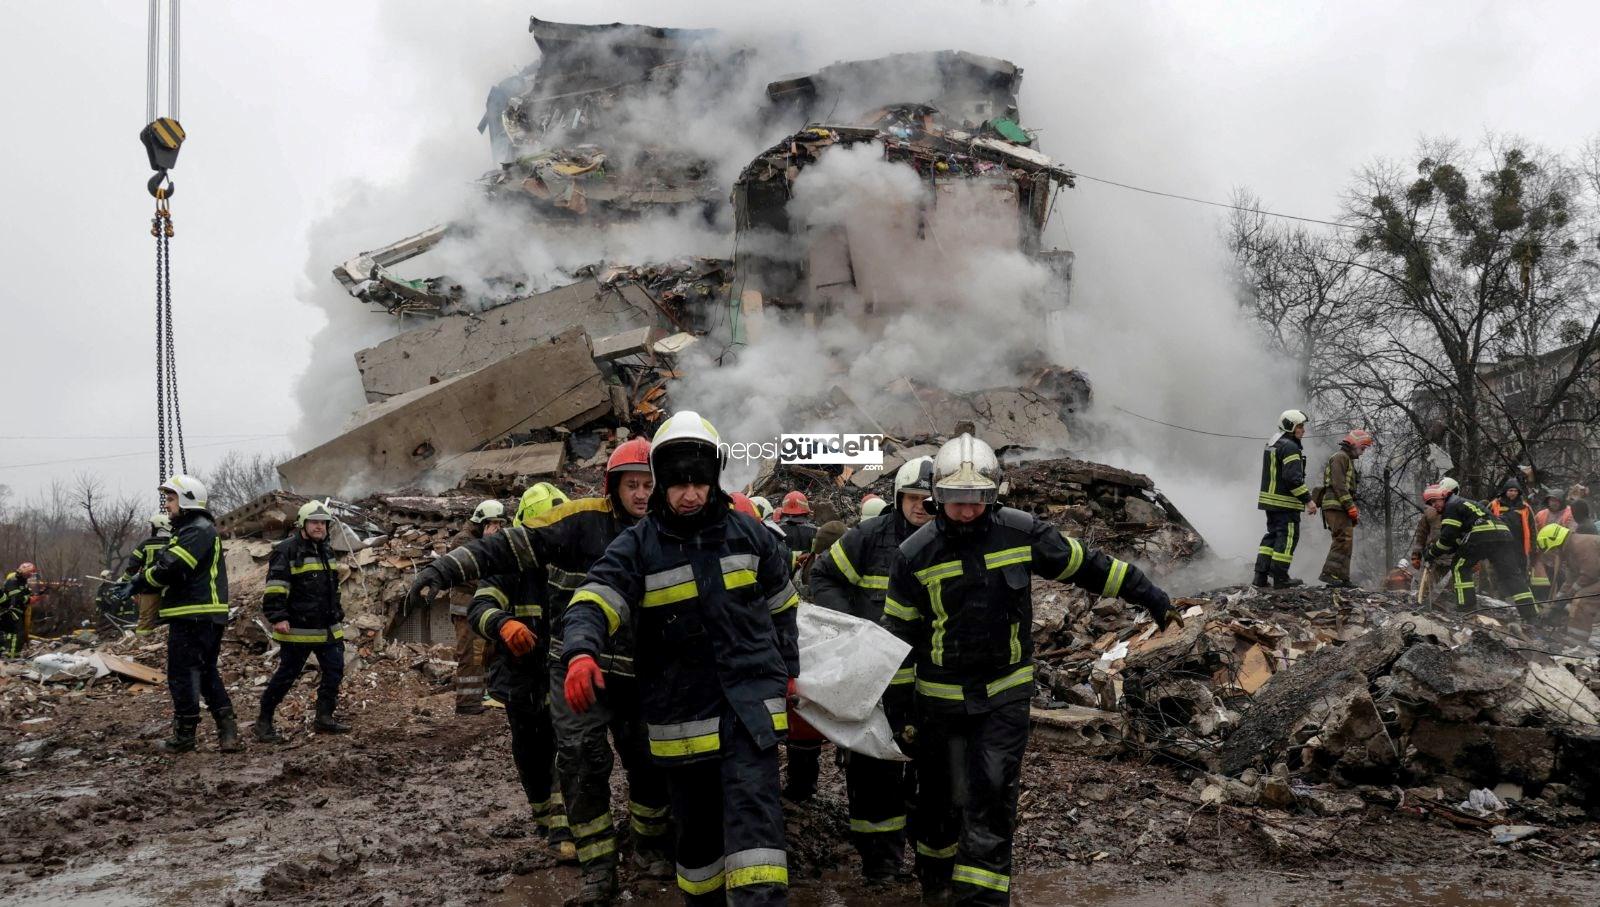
(228, 732)
(264, 730)
(1259, 580)
(327, 724)
(182, 739)
(599, 887)
(653, 865)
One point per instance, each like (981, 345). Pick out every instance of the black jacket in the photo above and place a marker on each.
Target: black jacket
(798, 533)
(554, 552)
(853, 575)
(13, 595)
(1283, 476)
(189, 573)
(303, 589)
(961, 595)
(506, 597)
(1468, 526)
(143, 554)
(713, 614)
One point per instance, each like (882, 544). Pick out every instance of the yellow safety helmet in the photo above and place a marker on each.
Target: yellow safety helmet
(539, 500)
(312, 510)
(1552, 536)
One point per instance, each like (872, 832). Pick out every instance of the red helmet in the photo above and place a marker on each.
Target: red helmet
(1434, 495)
(1359, 438)
(794, 504)
(26, 568)
(630, 456)
(743, 504)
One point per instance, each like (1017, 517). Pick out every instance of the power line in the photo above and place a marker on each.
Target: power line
(128, 455)
(1204, 201)
(1201, 431)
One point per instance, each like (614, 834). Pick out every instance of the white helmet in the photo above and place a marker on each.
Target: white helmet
(763, 506)
(161, 523)
(1450, 486)
(874, 507)
(489, 510)
(686, 448)
(1292, 419)
(191, 492)
(966, 471)
(914, 475)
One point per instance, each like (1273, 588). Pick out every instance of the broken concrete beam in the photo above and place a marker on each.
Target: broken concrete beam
(1461, 683)
(458, 344)
(492, 467)
(1080, 730)
(1480, 753)
(1301, 695)
(1550, 695)
(637, 342)
(551, 384)
(367, 265)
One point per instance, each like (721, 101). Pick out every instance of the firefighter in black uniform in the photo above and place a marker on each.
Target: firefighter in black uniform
(192, 579)
(302, 606)
(852, 576)
(959, 593)
(144, 555)
(1469, 533)
(794, 518)
(14, 595)
(712, 608)
(562, 544)
(1284, 495)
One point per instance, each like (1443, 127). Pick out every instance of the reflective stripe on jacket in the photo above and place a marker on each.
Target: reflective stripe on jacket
(303, 589)
(190, 573)
(1466, 522)
(1283, 476)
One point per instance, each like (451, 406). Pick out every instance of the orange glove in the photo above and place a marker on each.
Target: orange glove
(1354, 513)
(518, 638)
(583, 676)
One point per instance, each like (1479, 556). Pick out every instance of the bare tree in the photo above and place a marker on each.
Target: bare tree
(240, 478)
(113, 522)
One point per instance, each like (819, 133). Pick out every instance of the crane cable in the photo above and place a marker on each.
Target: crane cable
(162, 138)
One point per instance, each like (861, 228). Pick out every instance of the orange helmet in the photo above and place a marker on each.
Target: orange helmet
(794, 504)
(26, 568)
(630, 456)
(743, 504)
(1359, 438)
(1434, 495)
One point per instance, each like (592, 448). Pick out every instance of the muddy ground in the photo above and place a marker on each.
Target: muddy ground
(419, 806)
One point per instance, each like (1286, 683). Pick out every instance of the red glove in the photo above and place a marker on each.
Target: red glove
(583, 676)
(1354, 513)
(800, 730)
(518, 638)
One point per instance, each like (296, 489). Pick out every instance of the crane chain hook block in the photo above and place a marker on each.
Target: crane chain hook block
(162, 139)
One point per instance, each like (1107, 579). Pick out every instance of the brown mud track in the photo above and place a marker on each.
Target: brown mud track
(419, 806)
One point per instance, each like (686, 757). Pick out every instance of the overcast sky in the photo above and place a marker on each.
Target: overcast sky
(297, 110)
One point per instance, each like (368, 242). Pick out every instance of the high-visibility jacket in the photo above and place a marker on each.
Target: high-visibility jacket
(143, 554)
(713, 614)
(1466, 523)
(554, 551)
(189, 573)
(1340, 480)
(961, 595)
(14, 595)
(1518, 516)
(1283, 476)
(852, 576)
(303, 589)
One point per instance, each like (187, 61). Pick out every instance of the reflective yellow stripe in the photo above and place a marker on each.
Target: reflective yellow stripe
(792, 601)
(1119, 570)
(874, 581)
(688, 746)
(597, 849)
(1073, 562)
(594, 826)
(647, 828)
(190, 610)
(529, 611)
(657, 597)
(488, 615)
(934, 690)
(298, 569)
(842, 561)
(938, 853)
(983, 878)
(1451, 522)
(738, 579)
(1008, 556)
(1016, 678)
(494, 593)
(757, 866)
(862, 826)
(613, 620)
(1299, 492)
(1016, 643)
(647, 812)
(904, 676)
(940, 618)
(942, 571)
(711, 882)
(307, 636)
(1292, 458)
(184, 555)
(275, 589)
(900, 612)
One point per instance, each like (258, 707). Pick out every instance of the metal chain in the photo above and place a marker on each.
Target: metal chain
(161, 386)
(169, 415)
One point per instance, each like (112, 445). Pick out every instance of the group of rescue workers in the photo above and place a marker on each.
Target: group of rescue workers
(1535, 561)
(658, 621)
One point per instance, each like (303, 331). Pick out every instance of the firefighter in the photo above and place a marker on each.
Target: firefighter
(1516, 514)
(1284, 495)
(1470, 534)
(143, 556)
(1435, 569)
(794, 518)
(1340, 484)
(473, 656)
(14, 596)
(853, 577)
(763, 508)
(563, 544)
(301, 603)
(709, 600)
(1555, 511)
(960, 594)
(1576, 559)
(191, 577)
(538, 500)
(871, 506)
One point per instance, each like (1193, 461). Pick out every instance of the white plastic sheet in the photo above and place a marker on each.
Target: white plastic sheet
(846, 663)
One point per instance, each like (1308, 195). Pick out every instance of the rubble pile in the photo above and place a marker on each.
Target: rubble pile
(1350, 689)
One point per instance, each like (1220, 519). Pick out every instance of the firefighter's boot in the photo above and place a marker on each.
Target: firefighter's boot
(599, 887)
(228, 732)
(327, 724)
(182, 739)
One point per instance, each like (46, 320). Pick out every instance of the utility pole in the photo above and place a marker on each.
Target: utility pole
(1388, 520)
